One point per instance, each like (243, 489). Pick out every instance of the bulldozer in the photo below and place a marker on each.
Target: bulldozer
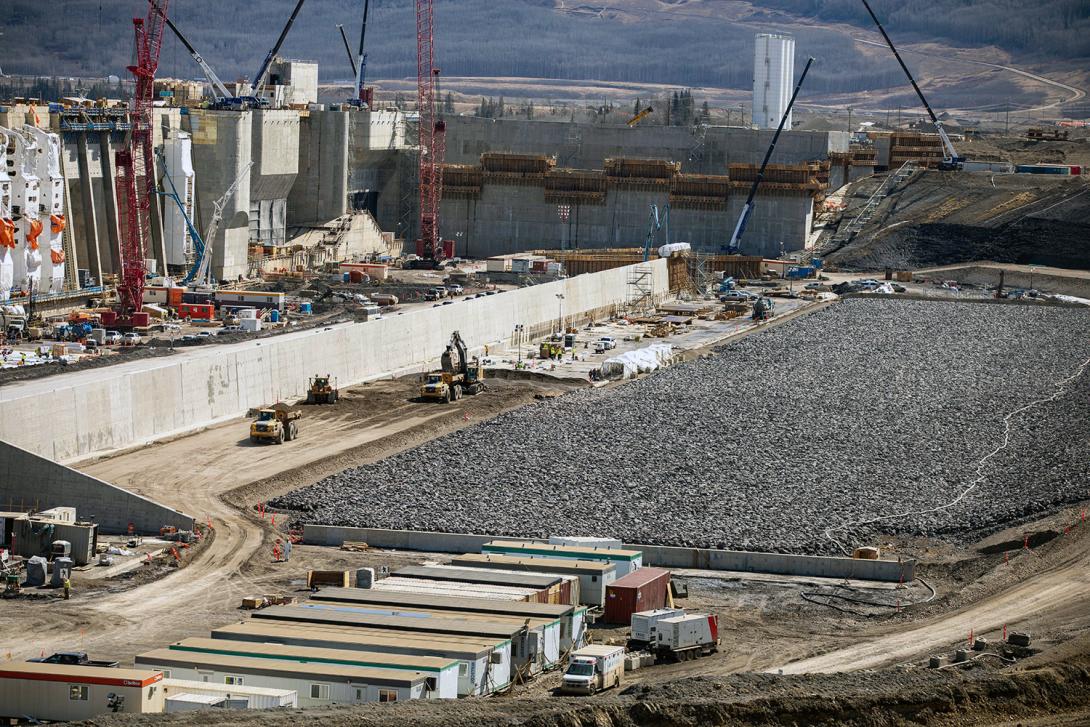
(458, 376)
(322, 390)
(277, 424)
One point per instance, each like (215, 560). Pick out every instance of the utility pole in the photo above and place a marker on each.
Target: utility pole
(849, 119)
(1007, 129)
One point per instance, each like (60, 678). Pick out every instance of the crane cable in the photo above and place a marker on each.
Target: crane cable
(1061, 389)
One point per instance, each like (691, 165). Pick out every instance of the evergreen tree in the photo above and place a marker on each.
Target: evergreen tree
(530, 110)
(638, 107)
(705, 113)
(448, 104)
(500, 109)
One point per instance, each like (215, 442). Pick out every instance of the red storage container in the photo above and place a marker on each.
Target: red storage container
(641, 590)
(197, 311)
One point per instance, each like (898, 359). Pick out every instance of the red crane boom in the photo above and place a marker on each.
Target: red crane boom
(136, 170)
(432, 136)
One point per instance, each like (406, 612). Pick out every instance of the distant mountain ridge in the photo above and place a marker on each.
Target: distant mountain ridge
(688, 43)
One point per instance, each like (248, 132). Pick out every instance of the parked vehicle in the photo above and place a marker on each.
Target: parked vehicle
(113, 338)
(736, 295)
(131, 339)
(455, 289)
(608, 341)
(593, 668)
(73, 658)
(681, 638)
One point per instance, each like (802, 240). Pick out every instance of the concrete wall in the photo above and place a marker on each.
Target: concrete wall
(515, 218)
(29, 480)
(656, 555)
(586, 146)
(221, 150)
(320, 191)
(82, 413)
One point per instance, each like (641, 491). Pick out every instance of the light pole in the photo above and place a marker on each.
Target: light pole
(560, 320)
(518, 342)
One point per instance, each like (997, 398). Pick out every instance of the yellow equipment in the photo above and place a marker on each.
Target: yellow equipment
(322, 390)
(459, 376)
(278, 425)
(640, 116)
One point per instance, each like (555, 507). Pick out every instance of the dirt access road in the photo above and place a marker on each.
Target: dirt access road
(217, 474)
(1043, 592)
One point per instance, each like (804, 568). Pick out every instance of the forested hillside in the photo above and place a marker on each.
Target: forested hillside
(697, 43)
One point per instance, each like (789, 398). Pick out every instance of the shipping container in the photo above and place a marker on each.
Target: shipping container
(197, 311)
(497, 264)
(1043, 169)
(642, 590)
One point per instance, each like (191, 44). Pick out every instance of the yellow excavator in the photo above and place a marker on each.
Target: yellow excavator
(458, 376)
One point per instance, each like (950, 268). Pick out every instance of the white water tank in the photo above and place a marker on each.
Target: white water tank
(773, 79)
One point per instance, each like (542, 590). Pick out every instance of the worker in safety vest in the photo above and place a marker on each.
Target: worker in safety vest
(67, 588)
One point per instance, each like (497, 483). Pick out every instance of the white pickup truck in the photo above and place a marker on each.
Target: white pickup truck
(593, 668)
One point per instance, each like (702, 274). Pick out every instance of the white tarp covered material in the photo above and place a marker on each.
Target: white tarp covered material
(668, 250)
(639, 361)
(1070, 299)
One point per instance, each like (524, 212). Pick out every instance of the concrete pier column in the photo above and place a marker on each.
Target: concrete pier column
(109, 245)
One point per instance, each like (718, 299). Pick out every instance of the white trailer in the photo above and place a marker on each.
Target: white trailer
(593, 668)
(645, 624)
(681, 638)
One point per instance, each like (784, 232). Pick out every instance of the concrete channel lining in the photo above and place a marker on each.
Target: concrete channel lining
(894, 571)
(30, 481)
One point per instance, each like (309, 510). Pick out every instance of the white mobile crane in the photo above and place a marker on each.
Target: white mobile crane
(951, 161)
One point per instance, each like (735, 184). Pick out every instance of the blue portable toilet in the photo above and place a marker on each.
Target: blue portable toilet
(274, 316)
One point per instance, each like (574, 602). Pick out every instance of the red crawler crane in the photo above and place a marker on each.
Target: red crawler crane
(136, 171)
(433, 145)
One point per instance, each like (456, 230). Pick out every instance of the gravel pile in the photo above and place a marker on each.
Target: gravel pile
(866, 409)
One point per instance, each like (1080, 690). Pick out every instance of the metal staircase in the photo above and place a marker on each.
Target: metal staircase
(847, 231)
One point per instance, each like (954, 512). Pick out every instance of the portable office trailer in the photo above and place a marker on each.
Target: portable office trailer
(642, 590)
(543, 638)
(549, 588)
(238, 696)
(61, 693)
(444, 670)
(317, 685)
(625, 561)
(525, 642)
(572, 618)
(593, 576)
(249, 299)
(454, 588)
(484, 665)
(542, 647)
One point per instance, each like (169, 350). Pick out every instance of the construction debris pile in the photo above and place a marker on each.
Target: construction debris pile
(867, 410)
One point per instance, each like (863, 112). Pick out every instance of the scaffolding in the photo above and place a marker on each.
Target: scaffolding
(641, 288)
